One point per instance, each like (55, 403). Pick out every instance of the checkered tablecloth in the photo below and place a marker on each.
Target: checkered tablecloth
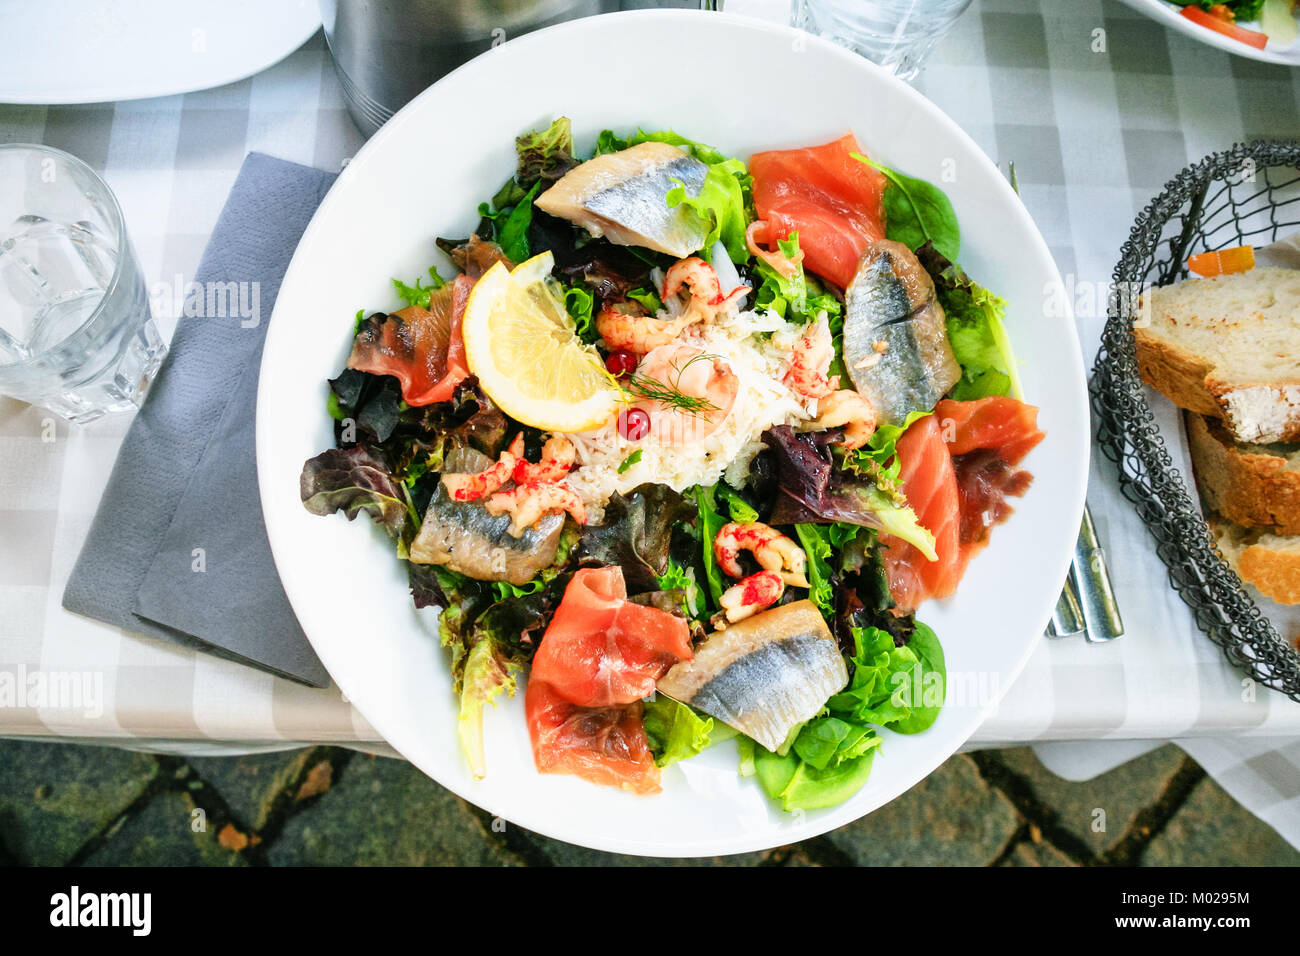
(1096, 106)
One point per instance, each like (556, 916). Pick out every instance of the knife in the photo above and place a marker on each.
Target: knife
(1101, 614)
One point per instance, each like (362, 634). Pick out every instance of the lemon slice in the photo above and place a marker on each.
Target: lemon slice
(521, 343)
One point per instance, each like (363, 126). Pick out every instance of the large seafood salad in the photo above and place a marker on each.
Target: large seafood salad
(688, 441)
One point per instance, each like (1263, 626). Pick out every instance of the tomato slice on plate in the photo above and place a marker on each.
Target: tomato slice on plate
(1228, 29)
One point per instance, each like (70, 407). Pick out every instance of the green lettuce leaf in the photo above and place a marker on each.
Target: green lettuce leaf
(488, 671)
(741, 511)
(821, 543)
(902, 688)
(723, 198)
(545, 154)
(707, 524)
(720, 203)
(878, 458)
(648, 298)
(580, 304)
(828, 741)
(796, 298)
(677, 732)
(794, 782)
(608, 142)
(975, 329)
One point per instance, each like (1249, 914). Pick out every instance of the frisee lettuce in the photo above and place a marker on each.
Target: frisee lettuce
(417, 294)
(821, 542)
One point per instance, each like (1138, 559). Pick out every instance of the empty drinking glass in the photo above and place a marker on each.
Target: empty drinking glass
(76, 333)
(897, 34)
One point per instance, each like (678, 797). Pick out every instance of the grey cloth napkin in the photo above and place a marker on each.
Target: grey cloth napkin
(178, 549)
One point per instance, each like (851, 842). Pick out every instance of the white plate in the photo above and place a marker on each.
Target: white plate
(97, 51)
(1167, 13)
(422, 175)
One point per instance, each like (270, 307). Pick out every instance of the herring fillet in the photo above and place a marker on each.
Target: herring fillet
(462, 536)
(621, 196)
(764, 675)
(891, 302)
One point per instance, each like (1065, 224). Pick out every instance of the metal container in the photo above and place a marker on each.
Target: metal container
(387, 51)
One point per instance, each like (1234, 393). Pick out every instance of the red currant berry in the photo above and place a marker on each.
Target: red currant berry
(634, 424)
(620, 363)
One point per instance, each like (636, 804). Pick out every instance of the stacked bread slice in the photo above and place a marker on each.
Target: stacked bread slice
(1227, 349)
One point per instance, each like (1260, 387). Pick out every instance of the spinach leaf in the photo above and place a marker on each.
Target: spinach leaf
(513, 236)
(917, 212)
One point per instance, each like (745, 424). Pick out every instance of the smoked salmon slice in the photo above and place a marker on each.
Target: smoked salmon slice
(1004, 424)
(605, 745)
(835, 202)
(600, 649)
(957, 470)
(421, 348)
(600, 655)
(927, 478)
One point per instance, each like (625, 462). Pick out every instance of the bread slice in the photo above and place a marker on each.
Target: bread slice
(1254, 485)
(1270, 562)
(1227, 347)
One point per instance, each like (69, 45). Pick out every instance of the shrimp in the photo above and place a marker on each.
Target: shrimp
(751, 595)
(810, 362)
(707, 298)
(528, 503)
(850, 409)
(691, 372)
(627, 326)
(557, 459)
(472, 487)
(774, 551)
(785, 266)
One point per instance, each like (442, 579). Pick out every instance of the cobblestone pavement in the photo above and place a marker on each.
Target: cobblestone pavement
(64, 804)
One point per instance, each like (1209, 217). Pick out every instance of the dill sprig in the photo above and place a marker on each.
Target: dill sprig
(670, 393)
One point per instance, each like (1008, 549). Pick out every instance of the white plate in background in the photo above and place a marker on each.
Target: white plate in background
(422, 175)
(99, 51)
(1167, 13)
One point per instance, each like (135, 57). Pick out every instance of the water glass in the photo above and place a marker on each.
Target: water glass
(896, 34)
(76, 332)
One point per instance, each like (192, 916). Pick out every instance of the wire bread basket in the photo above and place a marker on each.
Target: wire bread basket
(1248, 195)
